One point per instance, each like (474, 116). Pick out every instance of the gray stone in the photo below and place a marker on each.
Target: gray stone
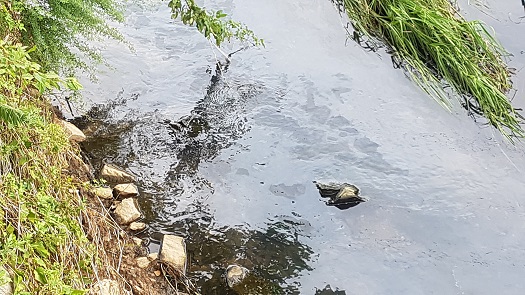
(235, 274)
(127, 211)
(125, 190)
(105, 287)
(73, 132)
(114, 174)
(142, 262)
(173, 251)
(136, 226)
(103, 192)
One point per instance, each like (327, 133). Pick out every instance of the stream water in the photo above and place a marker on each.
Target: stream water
(227, 157)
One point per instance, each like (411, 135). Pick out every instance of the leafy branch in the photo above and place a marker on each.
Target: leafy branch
(212, 25)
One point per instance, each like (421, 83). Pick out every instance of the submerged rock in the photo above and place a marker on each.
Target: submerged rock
(127, 211)
(173, 251)
(341, 195)
(235, 274)
(114, 174)
(125, 190)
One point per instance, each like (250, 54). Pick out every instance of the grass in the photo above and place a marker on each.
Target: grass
(435, 43)
(50, 237)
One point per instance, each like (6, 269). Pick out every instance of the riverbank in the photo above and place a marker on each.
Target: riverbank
(56, 235)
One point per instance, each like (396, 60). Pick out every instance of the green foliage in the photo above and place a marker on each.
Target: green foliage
(435, 43)
(59, 28)
(41, 239)
(212, 25)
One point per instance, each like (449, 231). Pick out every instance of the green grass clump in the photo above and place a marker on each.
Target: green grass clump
(436, 43)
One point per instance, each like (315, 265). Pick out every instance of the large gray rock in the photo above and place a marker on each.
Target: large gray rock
(114, 174)
(73, 132)
(103, 192)
(173, 251)
(125, 190)
(235, 274)
(105, 287)
(127, 211)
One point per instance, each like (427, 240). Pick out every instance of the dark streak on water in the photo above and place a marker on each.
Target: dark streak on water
(227, 158)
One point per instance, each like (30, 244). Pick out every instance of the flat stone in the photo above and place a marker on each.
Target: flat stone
(153, 256)
(142, 262)
(235, 274)
(105, 287)
(114, 174)
(73, 132)
(136, 226)
(127, 211)
(173, 251)
(125, 190)
(103, 192)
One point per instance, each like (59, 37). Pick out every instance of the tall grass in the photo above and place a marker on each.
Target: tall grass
(435, 43)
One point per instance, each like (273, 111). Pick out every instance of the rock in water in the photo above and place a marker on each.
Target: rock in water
(341, 195)
(235, 274)
(125, 190)
(173, 251)
(73, 132)
(114, 174)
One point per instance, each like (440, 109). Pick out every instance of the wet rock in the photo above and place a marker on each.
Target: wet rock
(173, 251)
(73, 132)
(127, 211)
(142, 262)
(114, 174)
(105, 287)
(136, 226)
(235, 274)
(103, 192)
(125, 190)
(341, 195)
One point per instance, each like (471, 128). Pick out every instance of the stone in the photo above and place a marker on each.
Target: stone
(125, 190)
(136, 226)
(73, 132)
(142, 262)
(173, 251)
(235, 274)
(137, 241)
(114, 174)
(341, 195)
(127, 211)
(157, 273)
(103, 192)
(105, 287)
(153, 256)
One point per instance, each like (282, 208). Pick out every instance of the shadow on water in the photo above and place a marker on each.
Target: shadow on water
(213, 125)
